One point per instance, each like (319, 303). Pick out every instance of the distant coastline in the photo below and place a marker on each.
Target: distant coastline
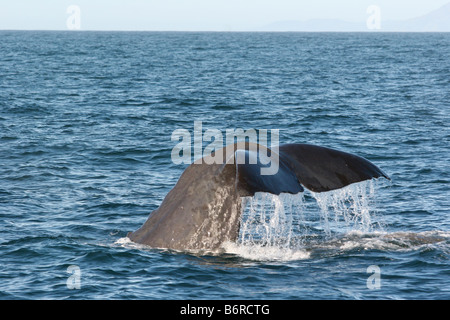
(435, 21)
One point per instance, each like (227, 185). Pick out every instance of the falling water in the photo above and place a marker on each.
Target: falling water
(271, 220)
(277, 227)
(349, 209)
(271, 228)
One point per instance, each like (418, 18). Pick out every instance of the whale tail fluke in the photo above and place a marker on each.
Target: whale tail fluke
(318, 169)
(322, 169)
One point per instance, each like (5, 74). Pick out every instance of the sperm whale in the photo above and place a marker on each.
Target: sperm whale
(203, 209)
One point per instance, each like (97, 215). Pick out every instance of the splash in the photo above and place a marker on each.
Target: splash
(271, 228)
(349, 209)
(280, 227)
(271, 220)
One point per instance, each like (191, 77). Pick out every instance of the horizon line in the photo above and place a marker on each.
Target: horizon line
(225, 31)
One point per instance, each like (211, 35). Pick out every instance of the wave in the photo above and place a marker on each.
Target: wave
(342, 244)
(388, 241)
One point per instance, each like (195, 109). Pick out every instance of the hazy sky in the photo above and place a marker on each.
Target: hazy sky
(220, 15)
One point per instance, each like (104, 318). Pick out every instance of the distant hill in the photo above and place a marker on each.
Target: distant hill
(435, 21)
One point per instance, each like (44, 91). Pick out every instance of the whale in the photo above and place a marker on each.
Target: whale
(203, 209)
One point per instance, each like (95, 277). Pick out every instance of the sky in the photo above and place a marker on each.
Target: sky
(198, 15)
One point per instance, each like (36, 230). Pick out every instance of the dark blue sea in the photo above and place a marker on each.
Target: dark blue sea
(85, 155)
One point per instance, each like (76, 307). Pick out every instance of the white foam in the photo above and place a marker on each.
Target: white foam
(123, 241)
(265, 253)
(126, 242)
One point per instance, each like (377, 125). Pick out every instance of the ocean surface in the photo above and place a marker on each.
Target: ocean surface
(85, 155)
